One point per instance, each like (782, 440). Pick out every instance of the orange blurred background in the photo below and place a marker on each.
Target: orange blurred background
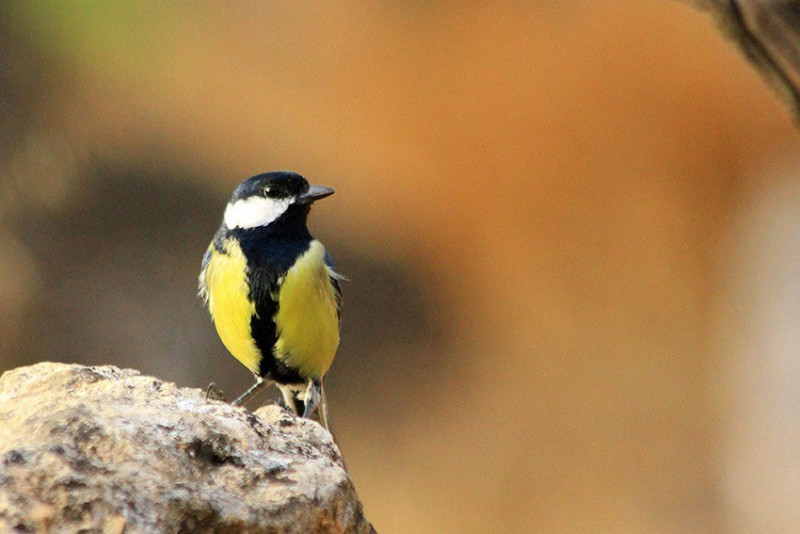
(572, 234)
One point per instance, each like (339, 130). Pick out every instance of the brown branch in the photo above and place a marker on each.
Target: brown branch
(768, 34)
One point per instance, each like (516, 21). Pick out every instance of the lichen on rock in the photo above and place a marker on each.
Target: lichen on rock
(110, 450)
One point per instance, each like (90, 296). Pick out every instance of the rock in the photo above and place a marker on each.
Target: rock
(103, 449)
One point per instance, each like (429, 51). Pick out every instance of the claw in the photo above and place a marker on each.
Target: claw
(213, 392)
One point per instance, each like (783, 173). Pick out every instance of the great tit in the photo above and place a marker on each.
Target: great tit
(272, 290)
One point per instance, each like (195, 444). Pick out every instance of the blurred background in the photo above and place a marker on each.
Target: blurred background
(572, 233)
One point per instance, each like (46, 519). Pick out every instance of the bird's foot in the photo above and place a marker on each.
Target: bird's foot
(280, 403)
(213, 392)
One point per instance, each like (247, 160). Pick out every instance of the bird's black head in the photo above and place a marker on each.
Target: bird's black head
(264, 198)
(274, 185)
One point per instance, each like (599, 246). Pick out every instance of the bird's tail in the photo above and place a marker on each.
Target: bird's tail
(323, 407)
(315, 401)
(305, 403)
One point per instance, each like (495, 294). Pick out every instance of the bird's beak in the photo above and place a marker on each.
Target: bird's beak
(314, 193)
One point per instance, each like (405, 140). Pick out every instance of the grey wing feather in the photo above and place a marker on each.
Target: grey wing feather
(335, 277)
(202, 288)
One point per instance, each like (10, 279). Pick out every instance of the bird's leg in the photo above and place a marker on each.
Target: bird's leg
(323, 406)
(255, 388)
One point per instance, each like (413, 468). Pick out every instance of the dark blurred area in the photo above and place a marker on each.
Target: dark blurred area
(571, 234)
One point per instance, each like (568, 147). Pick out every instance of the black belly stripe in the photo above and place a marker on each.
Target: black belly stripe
(269, 257)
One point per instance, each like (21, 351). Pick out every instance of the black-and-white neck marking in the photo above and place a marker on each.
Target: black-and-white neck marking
(255, 211)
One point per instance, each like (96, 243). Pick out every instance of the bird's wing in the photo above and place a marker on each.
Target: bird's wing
(202, 291)
(337, 288)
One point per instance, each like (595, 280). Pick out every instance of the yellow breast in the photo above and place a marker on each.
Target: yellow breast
(226, 282)
(307, 320)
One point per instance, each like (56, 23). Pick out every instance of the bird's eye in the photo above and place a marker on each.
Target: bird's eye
(271, 192)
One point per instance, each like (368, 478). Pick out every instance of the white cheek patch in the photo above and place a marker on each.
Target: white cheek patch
(255, 211)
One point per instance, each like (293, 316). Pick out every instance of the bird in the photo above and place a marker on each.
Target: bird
(272, 290)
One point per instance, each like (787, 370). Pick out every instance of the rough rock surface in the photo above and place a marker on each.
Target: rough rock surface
(102, 449)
